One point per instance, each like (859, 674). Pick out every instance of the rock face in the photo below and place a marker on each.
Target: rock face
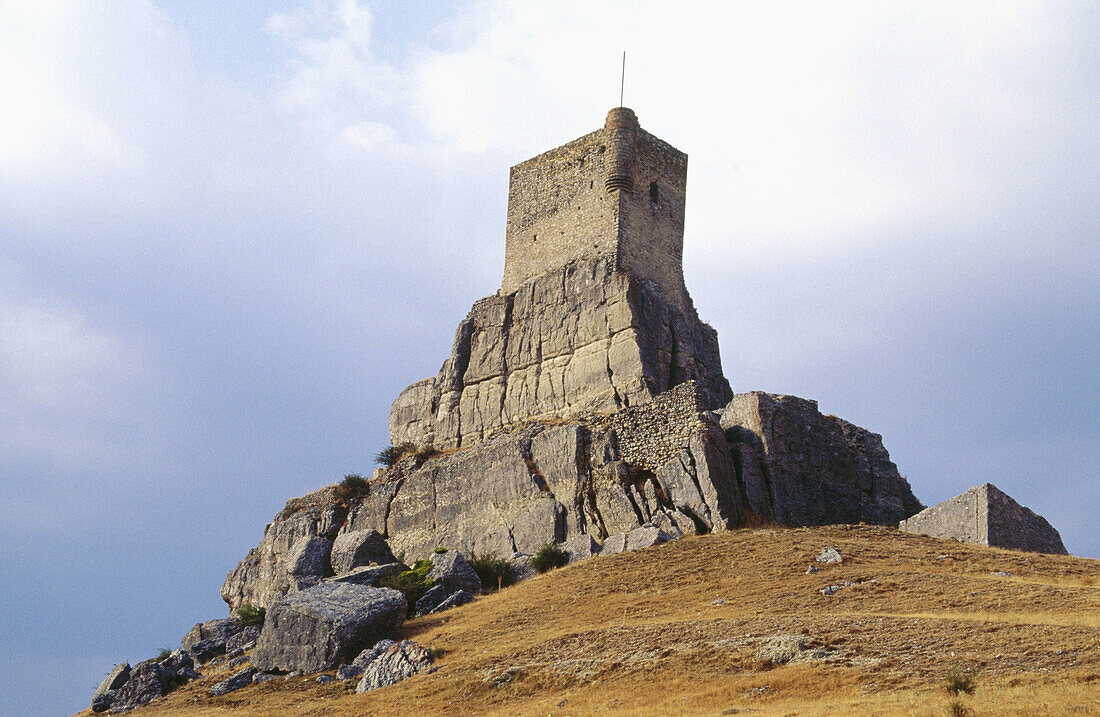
(359, 548)
(987, 516)
(326, 625)
(667, 463)
(585, 337)
(391, 664)
(221, 630)
(799, 467)
(266, 572)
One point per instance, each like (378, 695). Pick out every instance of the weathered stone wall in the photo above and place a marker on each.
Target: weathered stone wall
(652, 433)
(617, 192)
(985, 515)
(583, 338)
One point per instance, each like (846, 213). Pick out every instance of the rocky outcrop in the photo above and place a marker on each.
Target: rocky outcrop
(391, 662)
(220, 630)
(985, 515)
(796, 466)
(359, 548)
(326, 625)
(585, 337)
(669, 463)
(269, 569)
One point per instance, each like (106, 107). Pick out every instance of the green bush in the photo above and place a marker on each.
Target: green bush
(251, 615)
(960, 682)
(550, 556)
(493, 571)
(353, 487)
(440, 550)
(163, 655)
(411, 583)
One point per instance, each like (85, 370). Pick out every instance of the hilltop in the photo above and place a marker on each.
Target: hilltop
(679, 629)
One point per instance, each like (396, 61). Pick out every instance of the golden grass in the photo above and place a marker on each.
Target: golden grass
(640, 633)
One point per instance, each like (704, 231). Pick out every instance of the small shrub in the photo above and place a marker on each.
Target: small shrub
(411, 583)
(392, 454)
(956, 708)
(353, 487)
(548, 557)
(251, 615)
(959, 682)
(494, 572)
(163, 655)
(440, 550)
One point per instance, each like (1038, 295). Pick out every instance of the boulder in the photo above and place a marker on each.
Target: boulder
(580, 547)
(395, 663)
(520, 568)
(451, 570)
(829, 555)
(239, 679)
(365, 657)
(613, 544)
(985, 515)
(326, 625)
(431, 600)
(348, 672)
(206, 650)
(359, 548)
(221, 629)
(148, 680)
(243, 640)
(182, 667)
(370, 576)
(309, 558)
(115, 678)
(646, 536)
(459, 597)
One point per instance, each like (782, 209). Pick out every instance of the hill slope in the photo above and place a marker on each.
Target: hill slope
(677, 629)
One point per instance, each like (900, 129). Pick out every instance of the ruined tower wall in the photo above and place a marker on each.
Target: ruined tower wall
(559, 211)
(618, 192)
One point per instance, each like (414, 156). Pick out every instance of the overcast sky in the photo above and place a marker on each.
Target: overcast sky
(231, 233)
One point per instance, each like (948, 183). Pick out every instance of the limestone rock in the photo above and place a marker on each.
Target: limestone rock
(348, 672)
(243, 640)
(309, 558)
(580, 547)
(431, 600)
(987, 516)
(221, 629)
(646, 536)
(520, 568)
(359, 548)
(796, 466)
(455, 599)
(397, 662)
(829, 555)
(326, 625)
(451, 571)
(239, 679)
(263, 575)
(614, 544)
(370, 576)
(148, 681)
(585, 336)
(365, 657)
(115, 678)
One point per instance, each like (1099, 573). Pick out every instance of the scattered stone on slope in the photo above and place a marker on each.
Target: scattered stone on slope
(613, 544)
(580, 547)
(359, 548)
(646, 536)
(829, 555)
(326, 625)
(985, 515)
(455, 599)
(431, 600)
(781, 649)
(239, 679)
(397, 662)
(503, 678)
(451, 570)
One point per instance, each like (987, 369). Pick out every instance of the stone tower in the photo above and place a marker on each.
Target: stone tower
(592, 313)
(617, 192)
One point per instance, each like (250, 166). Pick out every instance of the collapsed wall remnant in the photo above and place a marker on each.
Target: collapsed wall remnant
(985, 515)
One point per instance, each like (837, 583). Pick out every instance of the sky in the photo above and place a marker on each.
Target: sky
(231, 233)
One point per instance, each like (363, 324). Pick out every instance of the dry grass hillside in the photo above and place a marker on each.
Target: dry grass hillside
(678, 630)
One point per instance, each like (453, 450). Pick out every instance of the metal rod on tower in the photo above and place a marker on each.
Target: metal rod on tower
(622, 83)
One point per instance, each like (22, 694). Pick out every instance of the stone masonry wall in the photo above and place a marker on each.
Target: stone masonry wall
(652, 433)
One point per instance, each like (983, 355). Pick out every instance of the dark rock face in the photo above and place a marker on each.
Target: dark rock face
(391, 664)
(985, 515)
(796, 466)
(326, 625)
(243, 640)
(358, 548)
(431, 600)
(116, 678)
(370, 576)
(585, 336)
(451, 571)
(455, 599)
(148, 681)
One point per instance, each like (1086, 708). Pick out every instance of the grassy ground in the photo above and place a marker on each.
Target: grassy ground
(675, 630)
